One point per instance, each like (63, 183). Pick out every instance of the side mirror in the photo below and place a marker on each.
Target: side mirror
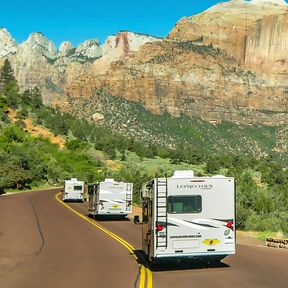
(136, 219)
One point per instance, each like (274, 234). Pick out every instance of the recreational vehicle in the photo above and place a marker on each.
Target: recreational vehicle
(110, 197)
(185, 216)
(73, 190)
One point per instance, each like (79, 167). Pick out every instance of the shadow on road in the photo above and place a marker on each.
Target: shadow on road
(185, 264)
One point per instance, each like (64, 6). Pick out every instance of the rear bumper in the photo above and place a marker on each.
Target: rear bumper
(194, 255)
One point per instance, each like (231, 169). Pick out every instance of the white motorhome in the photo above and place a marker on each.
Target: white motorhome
(73, 190)
(185, 216)
(110, 197)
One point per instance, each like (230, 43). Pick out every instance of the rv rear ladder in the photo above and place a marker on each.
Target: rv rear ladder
(128, 195)
(161, 212)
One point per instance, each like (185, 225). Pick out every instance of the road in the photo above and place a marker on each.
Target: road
(44, 244)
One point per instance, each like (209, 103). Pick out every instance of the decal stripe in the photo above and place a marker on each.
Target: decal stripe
(223, 220)
(200, 224)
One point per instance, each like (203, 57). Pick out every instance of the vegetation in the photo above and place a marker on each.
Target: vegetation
(29, 161)
(173, 48)
(200, 137)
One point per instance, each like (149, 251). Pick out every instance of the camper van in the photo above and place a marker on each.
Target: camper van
(185, 216)
(110, 197)
(73, 190)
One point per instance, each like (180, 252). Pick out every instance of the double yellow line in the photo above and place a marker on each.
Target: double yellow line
(145, 273)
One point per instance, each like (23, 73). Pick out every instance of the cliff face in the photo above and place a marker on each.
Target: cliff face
(267, 43)
(37, 62)
(7, 44)
(221, 64)
(186, 78)
(254, 32)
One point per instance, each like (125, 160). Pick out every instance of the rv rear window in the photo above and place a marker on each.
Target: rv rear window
(184, 204)
(77, 188)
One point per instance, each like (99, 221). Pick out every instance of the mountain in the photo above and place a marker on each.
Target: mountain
(228, 63)
(254, 32)
(37, 61)
(7, 44)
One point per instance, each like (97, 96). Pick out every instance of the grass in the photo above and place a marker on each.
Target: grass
(266, 234)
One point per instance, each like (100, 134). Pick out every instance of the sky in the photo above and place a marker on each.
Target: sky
(77, 21)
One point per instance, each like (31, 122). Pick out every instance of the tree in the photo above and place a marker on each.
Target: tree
(37, 97)
(213, 165)
(6, 74)
(27, 97)
(13, 176)
(3, 103)
(11, 91)
(8, 84)
(13, 133)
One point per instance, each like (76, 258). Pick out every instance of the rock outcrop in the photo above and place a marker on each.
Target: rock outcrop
(252, 32)
(7, 44)
(65, 48)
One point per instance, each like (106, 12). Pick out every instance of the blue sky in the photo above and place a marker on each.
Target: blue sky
(77, 21)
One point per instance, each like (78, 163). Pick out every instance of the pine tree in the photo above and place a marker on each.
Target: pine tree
(8, 85)
(37, 98)
(6, 74)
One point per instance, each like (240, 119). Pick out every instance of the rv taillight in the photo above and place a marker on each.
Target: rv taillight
(229, 225)
(159, 227)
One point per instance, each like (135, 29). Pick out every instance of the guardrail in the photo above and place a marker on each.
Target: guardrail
(277, 242)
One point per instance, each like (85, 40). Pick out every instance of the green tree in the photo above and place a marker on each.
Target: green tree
(8, 84)
(6, 74)
(36, 97)
(3, 103)
(74, 144)
(27, 97)
(13, 133)
(213, 165)
(246, 190)
(13, 176)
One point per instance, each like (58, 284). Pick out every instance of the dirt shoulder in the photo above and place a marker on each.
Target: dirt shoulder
(248, 238)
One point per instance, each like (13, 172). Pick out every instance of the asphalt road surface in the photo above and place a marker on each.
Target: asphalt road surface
(44, 244)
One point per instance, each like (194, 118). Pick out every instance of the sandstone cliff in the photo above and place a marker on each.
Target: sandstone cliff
(252, 32)
(36, 61)
(221, 64)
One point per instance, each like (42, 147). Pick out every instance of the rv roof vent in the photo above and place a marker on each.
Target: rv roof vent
(73, 179)
(218, 176)
(109, 180)
(183, 174)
